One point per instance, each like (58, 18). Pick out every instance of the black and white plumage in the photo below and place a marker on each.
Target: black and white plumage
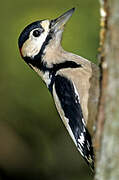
(71, 79)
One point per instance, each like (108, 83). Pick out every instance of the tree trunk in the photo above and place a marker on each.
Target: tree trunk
(107, 136)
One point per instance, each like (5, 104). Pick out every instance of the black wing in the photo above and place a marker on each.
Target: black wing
(70, 103)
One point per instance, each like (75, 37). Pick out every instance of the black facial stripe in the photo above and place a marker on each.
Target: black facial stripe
(73, 112)
(46, 42)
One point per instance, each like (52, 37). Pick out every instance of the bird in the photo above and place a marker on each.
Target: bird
(72, 80)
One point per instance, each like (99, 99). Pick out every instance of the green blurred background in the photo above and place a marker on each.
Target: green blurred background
(33, 142)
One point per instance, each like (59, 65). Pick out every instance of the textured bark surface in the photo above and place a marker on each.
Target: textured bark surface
(108, 153)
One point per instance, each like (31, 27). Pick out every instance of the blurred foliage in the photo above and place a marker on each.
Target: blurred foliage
(33, 142)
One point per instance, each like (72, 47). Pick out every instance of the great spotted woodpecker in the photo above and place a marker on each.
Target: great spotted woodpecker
(71, 79)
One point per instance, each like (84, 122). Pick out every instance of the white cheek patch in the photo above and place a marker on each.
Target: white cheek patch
(33, 45)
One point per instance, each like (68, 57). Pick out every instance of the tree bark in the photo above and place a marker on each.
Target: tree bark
(107, 136)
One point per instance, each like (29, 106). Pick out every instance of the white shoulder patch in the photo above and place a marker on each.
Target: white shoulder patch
(47, 78)
(76, 92)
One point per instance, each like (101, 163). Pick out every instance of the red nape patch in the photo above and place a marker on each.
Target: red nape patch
(21, 52)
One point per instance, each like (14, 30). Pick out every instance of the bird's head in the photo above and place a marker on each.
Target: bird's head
(38, 35)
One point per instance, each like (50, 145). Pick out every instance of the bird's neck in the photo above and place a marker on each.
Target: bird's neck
(53, 60)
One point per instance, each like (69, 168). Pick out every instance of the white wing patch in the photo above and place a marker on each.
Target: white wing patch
(81, 139)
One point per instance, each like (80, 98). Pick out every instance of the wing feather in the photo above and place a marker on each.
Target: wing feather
(67, 101)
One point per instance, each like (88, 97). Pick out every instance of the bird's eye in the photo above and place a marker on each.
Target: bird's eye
(36, 33)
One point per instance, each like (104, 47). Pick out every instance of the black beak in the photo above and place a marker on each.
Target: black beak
(59, 22)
